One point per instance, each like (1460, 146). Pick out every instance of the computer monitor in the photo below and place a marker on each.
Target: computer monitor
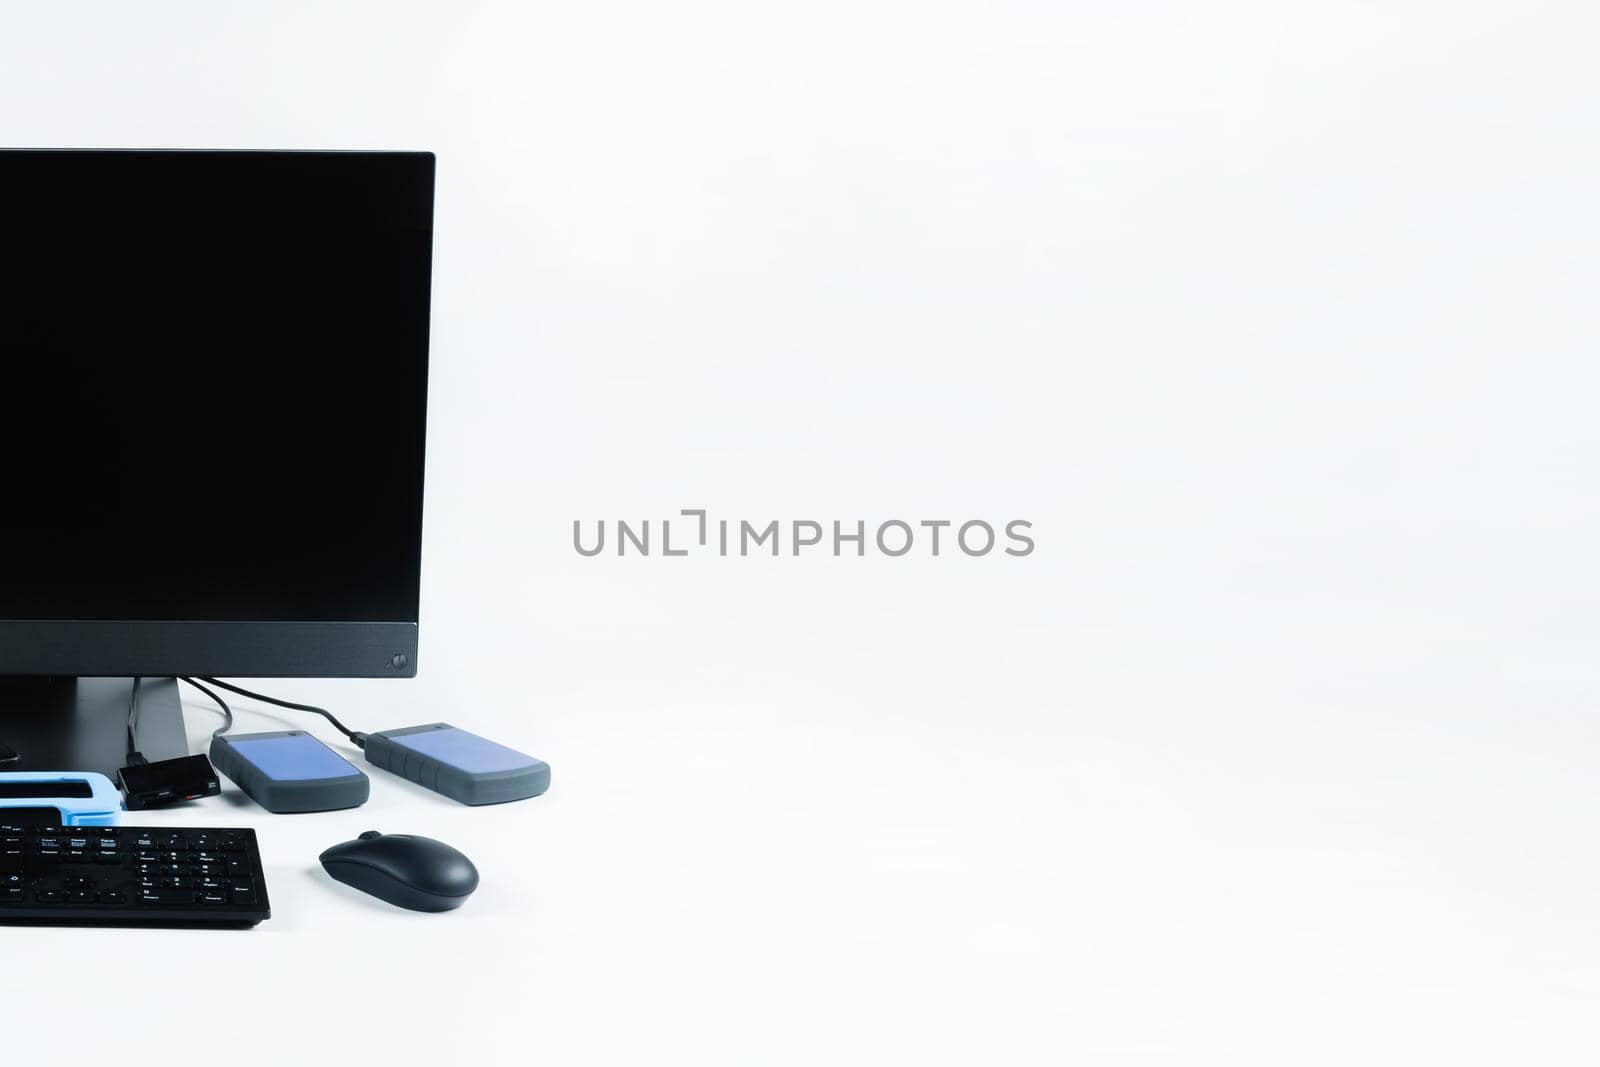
(213, 382)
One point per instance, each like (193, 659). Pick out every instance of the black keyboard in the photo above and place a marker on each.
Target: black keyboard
(130, 875)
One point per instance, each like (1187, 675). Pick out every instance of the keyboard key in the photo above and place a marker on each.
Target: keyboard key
(167, 896)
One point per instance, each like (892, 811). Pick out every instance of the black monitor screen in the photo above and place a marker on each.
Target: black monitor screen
(212, 384)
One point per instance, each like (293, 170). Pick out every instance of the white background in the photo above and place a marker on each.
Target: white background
(1278, 321)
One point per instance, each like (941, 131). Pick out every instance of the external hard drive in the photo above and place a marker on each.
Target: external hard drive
(462, 766)
(289, 771)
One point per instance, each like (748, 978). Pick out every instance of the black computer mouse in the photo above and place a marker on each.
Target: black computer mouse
(409, 872)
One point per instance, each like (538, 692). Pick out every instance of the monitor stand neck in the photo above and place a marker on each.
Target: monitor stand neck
(81, 724)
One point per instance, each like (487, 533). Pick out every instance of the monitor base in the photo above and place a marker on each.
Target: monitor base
(81, 724)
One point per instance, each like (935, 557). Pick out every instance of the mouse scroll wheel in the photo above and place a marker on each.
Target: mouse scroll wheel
(370, 834)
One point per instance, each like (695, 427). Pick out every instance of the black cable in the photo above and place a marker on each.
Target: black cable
(357, 738)
(135, 757)
(227, 712)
